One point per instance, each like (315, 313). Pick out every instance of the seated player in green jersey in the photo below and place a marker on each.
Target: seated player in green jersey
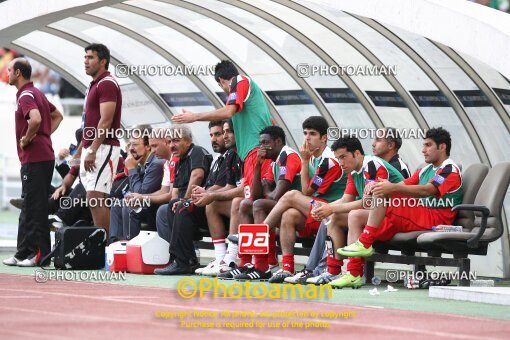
(363, 171)
(418, 203)
(322, 180)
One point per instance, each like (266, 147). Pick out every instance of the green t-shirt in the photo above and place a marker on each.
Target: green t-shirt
(252, 115)
(449, 185)
(373, 168)
(326, 176)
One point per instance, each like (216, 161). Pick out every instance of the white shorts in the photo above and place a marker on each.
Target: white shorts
(101, 178)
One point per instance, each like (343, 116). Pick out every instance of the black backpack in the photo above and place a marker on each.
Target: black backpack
(78, 248)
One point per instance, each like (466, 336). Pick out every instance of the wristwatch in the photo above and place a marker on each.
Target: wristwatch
(91, 151)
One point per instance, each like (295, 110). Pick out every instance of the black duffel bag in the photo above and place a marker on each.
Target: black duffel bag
(78, 248)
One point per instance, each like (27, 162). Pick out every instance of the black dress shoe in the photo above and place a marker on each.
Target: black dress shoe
(17, 202)
(174, 269)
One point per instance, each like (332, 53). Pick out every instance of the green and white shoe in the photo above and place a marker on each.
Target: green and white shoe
(347, 280)
(357, 249)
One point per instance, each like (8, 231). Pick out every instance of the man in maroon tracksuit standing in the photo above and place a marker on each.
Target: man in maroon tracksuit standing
(36, 119)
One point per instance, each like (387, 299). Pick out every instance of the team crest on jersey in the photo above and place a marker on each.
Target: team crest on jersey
(283, 170)
(317, 180)
(439, 179)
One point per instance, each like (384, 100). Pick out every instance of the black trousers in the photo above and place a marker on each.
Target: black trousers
(185, 226)
(33, 228)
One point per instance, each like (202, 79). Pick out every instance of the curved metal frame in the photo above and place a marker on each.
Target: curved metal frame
(364, 51)
(325, 57)
(136, 79)
(43, 60)
(157, 49)
(436, 79)
(211, 48)
(276, 56)
(482, 85)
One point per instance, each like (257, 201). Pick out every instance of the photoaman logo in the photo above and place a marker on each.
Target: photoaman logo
(253, 239)
(189, 288)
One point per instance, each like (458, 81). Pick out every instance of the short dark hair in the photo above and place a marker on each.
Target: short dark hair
(216, 123)
(318, 123)
(102, 52)
(78, 134)
(392, 135)
(229, 122)
(274, 132)
(24, 68)
(350, 143)
(225, 69)
(440, 136)
(146, 131)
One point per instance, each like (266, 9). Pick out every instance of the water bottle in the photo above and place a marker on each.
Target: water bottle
(74, 162)
(137, 208)
(316, 204)
(447, 228)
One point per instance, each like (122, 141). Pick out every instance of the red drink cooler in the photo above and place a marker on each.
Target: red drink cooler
(116, 256)
(147, 252)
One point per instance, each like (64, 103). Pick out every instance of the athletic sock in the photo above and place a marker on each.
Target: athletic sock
(231, 254)
(244, 259)
(261, 262)
(220, 248)
(334, 265)
(288, 263)
(367, 237)
(272, 258)
(355, 266)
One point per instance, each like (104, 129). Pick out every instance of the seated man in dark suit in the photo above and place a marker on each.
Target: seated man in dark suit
(145, 172)
(192, 170)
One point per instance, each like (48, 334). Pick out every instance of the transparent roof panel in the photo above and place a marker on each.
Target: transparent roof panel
(179, 45)
(286, 45)
(408, 73)
(485, 119)
(342, 52)
(401, 119)
(447, 69)
(255, 62)
(294, 115)
(70, 55)
(352, 116)
(492, 132)
(130, 51)
(463, 150)
(491, 77)
(138, 108)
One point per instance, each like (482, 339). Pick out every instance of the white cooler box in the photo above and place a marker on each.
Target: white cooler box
(147, 252)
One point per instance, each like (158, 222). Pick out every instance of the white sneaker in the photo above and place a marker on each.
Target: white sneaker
(322, 279)
(27, 263)
(219, 267)
(200, 271)
(11, 261)
(300, 277)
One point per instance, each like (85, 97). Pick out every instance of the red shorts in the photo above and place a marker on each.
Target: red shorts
(311, 225)
(249, 167)
(404, 219)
